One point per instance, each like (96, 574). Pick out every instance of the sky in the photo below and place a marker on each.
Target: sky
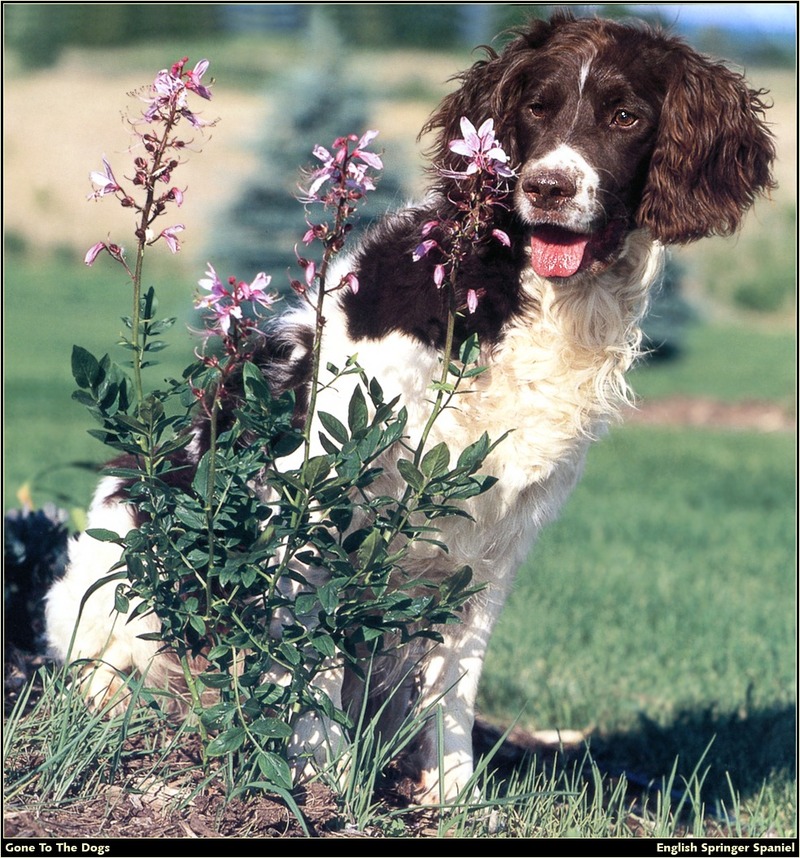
(763, 17)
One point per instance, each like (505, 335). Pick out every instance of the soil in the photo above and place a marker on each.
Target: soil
(704, 412)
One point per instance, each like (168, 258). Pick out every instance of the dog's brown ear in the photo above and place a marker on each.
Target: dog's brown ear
(713, 152)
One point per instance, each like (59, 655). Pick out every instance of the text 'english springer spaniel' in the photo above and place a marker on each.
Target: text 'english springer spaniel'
(623, 141)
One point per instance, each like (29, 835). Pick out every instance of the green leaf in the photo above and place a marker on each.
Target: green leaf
(155, 346)
(470, 350)
(410, 473)
(316, 470)
(255, 385)
(193, 519)
(230, 740)
(472, 456)
(334, 427)
(324, 645)
(121, 601)
(272, 728)
(435, 462)
(215, 680)
(305, 603)
(200, 481)
(161, 326)
(103, 535)
(198, 624)
(85, 368)
(357, 415)
(275, 769)
(370, 548)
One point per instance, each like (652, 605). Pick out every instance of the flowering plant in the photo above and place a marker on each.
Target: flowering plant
(150, 192)
(232, 573)
(481, 187)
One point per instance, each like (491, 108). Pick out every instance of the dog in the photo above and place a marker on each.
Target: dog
(625, 140)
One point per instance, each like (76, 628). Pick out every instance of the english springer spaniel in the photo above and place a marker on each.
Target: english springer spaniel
(624, 140)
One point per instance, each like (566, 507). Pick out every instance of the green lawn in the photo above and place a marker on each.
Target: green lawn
(659, 610)
(731, 362)
(51, 305)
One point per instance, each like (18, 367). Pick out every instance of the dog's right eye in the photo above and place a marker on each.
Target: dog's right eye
(537, 110)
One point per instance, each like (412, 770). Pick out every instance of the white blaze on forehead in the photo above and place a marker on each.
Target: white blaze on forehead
(586, 67)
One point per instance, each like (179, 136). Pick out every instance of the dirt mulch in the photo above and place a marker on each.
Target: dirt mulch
(705, 412)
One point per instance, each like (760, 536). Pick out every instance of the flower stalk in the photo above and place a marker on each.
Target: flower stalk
(155, 130)
(480, 188)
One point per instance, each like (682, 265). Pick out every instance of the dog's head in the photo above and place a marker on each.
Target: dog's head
(613, 127)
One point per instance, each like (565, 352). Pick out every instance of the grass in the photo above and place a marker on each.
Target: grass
(658, 614)
(726, 361)
(57, 303)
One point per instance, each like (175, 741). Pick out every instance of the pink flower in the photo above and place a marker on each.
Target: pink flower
(502, 237)
(350, 280)
(193, 80)
(96, 249)
(424, 249)
(93, 252)
(170, 91)
(105, 181)
(482, 149)
(224, 312)
(472, 300)
(438, 275)
(169, 235)
(255, 291)
(227, 303)
(339, 168)
(369, 158)
(212, 284)
(310, 273)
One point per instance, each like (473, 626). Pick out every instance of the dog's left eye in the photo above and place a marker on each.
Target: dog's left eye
(624, 119)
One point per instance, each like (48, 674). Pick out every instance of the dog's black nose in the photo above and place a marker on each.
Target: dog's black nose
(549, 189)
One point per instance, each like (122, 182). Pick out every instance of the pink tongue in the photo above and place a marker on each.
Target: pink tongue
(556, 252)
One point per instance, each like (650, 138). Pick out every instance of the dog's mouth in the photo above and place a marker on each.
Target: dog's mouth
(559, 252)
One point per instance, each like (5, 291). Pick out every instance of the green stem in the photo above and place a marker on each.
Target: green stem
(191, 684)
(210, 486)
(319, 325)
(316, 356)
(144, 224)
(447, 354)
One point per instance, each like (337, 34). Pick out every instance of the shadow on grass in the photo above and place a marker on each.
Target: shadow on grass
(748, 748)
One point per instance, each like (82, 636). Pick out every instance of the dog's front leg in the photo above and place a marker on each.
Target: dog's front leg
(449, 688)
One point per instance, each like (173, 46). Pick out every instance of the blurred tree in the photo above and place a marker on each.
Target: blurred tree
(422, 25)
(313, 104)
(669, 314)
(38, 32)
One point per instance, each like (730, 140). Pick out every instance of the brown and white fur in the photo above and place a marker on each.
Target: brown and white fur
(625, 140)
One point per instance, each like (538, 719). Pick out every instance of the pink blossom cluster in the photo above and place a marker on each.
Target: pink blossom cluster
(166, 105)
(481, 187)
(228, 302)
(342, 181)
(345, 172)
